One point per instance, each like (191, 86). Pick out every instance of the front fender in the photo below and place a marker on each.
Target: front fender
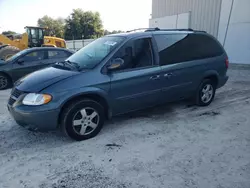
(69, 95)
(60, 98)
(7, 74)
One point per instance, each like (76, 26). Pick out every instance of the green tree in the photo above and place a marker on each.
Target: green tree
(8, 32)
(55, 27)
(106, 32)
(81, 24)
(119, 31)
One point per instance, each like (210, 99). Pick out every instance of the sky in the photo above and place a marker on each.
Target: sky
(115, 14)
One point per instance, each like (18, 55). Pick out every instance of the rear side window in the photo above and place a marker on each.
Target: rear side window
(54, 54)
(177, 48)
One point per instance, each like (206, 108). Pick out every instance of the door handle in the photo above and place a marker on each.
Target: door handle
(168, 75)
(156, 77)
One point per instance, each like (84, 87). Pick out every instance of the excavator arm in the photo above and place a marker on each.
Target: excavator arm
(10, 47)
(21, 44)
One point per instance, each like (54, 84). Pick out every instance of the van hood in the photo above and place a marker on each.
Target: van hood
(39, 80)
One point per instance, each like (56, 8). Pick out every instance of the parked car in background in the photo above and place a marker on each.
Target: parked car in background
(28, 61)
(117, 74)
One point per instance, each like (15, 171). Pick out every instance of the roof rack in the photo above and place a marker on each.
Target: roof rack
(189, 29)
(158, 29)
(139, 29)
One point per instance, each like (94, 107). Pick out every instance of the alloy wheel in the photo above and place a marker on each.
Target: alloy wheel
(207, 93)
(85, 121)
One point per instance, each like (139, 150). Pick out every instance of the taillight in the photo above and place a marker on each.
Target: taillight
(227, 63)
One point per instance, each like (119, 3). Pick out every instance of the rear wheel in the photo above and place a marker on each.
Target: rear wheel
(5, 82)
(8, 51)
(83, 119)
(205, 93)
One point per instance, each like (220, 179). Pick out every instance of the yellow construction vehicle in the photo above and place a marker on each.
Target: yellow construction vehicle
(34, 37)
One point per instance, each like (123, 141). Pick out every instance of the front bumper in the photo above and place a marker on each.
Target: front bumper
(26, 117)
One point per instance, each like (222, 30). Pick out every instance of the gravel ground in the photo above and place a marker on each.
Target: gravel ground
(173, 146)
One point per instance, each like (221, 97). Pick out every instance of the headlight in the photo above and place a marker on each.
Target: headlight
(34, 99)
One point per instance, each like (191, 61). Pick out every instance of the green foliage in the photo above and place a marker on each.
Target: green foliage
(8, 32)
(55, 26)
(78, 25)
(82, 24)
(106, 32)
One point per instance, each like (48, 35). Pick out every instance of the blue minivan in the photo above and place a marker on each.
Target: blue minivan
(117, 74)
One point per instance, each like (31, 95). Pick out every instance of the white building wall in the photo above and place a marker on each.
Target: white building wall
(179, 21)
(77, 44)
(237, 43)
(183, 20)
(204, 14)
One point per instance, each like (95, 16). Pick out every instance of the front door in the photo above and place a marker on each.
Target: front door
(137, 83)
(28, 63)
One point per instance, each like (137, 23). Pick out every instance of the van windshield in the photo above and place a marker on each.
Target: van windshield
(92, 54)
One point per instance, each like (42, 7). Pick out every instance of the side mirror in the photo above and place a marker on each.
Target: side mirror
(20, 61)
(115, 64)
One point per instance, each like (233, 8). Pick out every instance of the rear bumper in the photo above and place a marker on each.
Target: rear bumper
(35, 120)
(222, 81)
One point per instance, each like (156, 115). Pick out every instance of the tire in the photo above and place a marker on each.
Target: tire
(87, 124)
(205, 93)
(5, 81)
(8, 51)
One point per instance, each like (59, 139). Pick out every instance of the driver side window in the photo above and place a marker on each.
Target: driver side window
(136, 54)
(33, 56)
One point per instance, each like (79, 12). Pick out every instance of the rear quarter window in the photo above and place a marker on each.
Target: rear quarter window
(177, 48)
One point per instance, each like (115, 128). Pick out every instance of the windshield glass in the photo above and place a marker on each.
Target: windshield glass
(16, 55)
(92, 54)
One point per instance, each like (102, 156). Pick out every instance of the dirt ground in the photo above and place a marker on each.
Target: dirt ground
(173, 146)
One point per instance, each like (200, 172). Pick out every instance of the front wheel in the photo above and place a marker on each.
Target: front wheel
(206, 93)
(83, 120)
(5, 82)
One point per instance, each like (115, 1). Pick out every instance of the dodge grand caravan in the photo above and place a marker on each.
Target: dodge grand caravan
(117, 74)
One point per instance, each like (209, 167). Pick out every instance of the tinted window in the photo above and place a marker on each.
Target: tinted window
(180, 48)
(53, 54)
(34, 56)
(136, 53)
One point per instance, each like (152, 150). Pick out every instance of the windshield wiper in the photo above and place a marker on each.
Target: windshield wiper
(74, 64)
(70, 63)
